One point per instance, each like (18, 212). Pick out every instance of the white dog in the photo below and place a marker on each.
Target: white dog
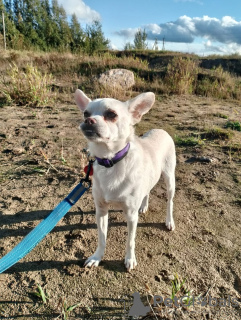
(127, 167)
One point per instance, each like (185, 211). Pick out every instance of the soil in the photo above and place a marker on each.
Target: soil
(41, 161)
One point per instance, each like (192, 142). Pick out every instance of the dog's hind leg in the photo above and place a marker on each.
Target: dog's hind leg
(144, 205)
(169, 178)
(102, 224)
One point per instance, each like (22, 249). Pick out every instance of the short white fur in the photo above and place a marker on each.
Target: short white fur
(127, 184)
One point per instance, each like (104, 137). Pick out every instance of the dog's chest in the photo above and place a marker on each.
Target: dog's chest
(112, 185)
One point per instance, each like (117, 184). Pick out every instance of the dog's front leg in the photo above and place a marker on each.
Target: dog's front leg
(102, 225)
(130, 258)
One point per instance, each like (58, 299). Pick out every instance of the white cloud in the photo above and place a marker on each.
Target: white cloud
(224, 49)
(229, 22)
(82, 11)
(127, 33)
(209, 47)
(187, 22)
(226, 30)
(185, 29)
(154, 28)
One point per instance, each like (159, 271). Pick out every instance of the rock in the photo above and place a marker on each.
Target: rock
(199, 159)
(226, 243)
(121, 78)
(18, 151)
(171, 277)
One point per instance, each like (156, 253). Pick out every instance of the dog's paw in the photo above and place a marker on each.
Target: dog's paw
(144, 205)
(170, 225)
(92, 261)
(130, 263)
(143, 209)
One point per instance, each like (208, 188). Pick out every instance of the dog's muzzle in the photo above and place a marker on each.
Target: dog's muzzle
(89, 128)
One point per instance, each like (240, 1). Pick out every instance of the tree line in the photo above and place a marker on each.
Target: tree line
(44, 25)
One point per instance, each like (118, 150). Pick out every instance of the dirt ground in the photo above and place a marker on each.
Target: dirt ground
(40, 162)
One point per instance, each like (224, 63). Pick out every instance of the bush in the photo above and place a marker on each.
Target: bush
(29, 87)
(181, 75)
(220, 84)
(234, 125)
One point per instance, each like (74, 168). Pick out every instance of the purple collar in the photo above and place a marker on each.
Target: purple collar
(108, 163)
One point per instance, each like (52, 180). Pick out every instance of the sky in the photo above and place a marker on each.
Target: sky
(203, 27)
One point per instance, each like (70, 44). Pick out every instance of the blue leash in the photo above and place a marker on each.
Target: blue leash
(45, 226)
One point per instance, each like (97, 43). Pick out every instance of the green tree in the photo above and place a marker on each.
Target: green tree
(17, 14)
(77, 34)
(8, 8)
(140, 40)
(13, 36)
(32, 21)
(43, 25)
(95, 39)
(128, 46)
(65, 32)
(60, 27)
(48, 26)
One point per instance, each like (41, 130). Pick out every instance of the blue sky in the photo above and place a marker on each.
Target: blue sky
(196, 26)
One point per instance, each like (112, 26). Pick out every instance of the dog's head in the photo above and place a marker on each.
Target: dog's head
(107, 120)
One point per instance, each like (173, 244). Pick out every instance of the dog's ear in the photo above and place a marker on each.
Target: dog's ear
(140, 105)
(81, 99)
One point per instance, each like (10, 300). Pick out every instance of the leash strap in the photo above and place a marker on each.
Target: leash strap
(45, 226)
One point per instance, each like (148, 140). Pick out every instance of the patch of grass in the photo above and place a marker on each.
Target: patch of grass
(220, 115)
(177, 286)
(28, 87)
(41, 294)
(232, 150)
(66, 310)
(220, 84)
(188, 141)
(217, 133)
(234, 125)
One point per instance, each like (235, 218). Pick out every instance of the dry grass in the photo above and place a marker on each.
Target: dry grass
(26, 88)
(180, 76)
(220, 84)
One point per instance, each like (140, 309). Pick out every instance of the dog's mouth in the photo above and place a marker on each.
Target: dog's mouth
(90, 132)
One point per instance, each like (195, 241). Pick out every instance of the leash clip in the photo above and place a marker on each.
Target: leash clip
(89, 172)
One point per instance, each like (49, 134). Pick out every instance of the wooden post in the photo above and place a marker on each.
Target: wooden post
(4, 33)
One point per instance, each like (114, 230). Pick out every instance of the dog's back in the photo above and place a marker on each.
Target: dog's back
(158, 152)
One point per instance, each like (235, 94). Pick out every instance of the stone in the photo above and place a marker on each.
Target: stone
(121, 78)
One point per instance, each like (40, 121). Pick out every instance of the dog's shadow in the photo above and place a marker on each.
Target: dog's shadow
(112, 265)
(65, 266)
(29, 217)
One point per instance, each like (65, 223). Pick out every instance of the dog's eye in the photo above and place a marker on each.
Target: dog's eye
(110, 115)
(87, 114)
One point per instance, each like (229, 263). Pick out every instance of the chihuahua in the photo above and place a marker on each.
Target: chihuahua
(127, 167)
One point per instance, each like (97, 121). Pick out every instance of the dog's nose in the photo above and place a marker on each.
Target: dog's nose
(90, 121)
